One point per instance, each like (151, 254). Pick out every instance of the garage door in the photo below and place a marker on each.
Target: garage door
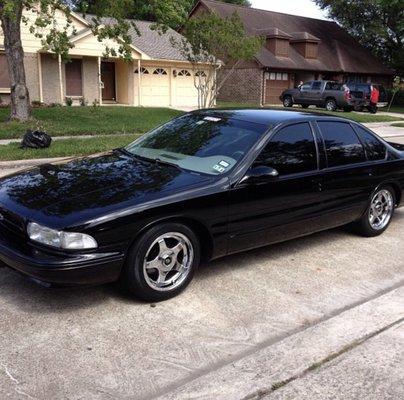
(186, 95)
(155, 87)
(275, 85)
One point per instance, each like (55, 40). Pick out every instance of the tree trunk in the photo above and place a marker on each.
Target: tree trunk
(20, 102)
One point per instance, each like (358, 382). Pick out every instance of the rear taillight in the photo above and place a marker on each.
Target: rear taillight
(348, 95)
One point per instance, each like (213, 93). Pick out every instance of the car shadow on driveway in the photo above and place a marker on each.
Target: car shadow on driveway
(29, 296)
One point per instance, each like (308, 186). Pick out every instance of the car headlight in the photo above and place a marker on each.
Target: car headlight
(60, 239)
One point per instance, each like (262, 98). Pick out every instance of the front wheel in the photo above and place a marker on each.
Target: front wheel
(287, 101)
(162, 262)
(379, 213)
(331, 105)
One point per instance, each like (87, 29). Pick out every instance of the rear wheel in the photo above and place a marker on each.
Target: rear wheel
(162, 262)
(378, 216)
(331, 105)
(287, 101)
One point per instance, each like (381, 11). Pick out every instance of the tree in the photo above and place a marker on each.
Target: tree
(55, 39)
(172, 13)
(377, 24)
(214, 41)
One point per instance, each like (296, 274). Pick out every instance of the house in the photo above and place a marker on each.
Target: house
(296, 49)
(158, 74)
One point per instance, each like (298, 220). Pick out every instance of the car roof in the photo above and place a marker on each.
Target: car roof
(269, 117)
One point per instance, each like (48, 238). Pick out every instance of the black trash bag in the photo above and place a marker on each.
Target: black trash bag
(36, 140)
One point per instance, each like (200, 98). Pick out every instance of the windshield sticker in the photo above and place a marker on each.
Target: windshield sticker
(224, 164)
(219, 168)
(212, 119)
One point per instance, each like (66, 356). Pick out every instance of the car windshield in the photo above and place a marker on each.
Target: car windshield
(199, 142)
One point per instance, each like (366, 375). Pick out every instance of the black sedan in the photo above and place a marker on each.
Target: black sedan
(202, 186)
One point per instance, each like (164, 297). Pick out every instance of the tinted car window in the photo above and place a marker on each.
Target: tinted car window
(342, 144)
(306, 86)
(363, 88)
(375, 149)
(333, 86)
(316, 86)
(291, 150)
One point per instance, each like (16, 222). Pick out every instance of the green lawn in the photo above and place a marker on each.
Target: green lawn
(399, 124)
(66, 147)
(358, 117)
(65, 121)
(395, 109)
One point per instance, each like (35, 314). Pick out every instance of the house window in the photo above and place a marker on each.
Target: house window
(160, 71)
(272, 76)
(285, 77)
(143, 71)
(4, 76)
(184, 72)
(74, 81)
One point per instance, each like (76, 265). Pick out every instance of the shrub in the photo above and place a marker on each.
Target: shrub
(69, 101)
(83, 102)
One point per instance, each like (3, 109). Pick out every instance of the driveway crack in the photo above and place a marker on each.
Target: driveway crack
(261, 393)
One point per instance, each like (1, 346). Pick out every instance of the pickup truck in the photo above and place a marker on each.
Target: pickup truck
(361, 92)
(329, 94)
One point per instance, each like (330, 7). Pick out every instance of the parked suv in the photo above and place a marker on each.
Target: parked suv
(329, 94)
(360, 93)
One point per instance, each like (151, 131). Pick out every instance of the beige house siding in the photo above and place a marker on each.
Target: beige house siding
(31, 73)
(50, 79)
(90, 77)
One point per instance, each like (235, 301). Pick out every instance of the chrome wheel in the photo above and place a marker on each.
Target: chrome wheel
(168, 261)
(381, 209)
(287, 101)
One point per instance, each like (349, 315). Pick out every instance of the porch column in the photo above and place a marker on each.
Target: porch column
(39, 60)
(60, 79)
(170, 71)
(139, 84)
(99, 80)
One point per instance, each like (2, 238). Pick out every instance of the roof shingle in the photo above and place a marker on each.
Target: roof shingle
(338, 50)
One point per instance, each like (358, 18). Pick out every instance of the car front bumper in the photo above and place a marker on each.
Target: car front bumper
(68, 269)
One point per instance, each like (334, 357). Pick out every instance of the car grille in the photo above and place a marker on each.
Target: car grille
(11, 223)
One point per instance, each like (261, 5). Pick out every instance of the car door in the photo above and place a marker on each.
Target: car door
(280, 208)
(304, 93)
(314, 94)
(348, 176)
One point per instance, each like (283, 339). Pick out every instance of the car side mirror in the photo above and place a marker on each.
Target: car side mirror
(260, 174)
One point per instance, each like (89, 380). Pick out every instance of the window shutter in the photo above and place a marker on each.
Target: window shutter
(4, 75)
(74, 84)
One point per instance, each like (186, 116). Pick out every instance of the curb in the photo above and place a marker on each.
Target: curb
(29, 163)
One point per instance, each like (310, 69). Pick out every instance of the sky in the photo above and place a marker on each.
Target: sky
(305, 8)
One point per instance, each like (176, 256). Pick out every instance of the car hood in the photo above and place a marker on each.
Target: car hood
(80, 190)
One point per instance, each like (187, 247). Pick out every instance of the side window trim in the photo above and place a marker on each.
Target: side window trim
(344, 166)
(276, 131)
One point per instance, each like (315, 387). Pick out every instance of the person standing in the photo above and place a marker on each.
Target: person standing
(374, 99)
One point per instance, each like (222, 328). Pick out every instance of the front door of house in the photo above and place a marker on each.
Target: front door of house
(108, 80)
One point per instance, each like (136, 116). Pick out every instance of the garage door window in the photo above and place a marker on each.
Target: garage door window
(200, 74)
(143, 71)
(184, 72)
(160, 71)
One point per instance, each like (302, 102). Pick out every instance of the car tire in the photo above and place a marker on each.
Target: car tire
(331, 105)
(162, 262)
(379, 213)
(288, 101)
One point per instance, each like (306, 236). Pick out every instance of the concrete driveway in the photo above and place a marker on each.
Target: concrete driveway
(305, 295)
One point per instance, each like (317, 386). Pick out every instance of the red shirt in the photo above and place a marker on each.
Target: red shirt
(374, 96)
